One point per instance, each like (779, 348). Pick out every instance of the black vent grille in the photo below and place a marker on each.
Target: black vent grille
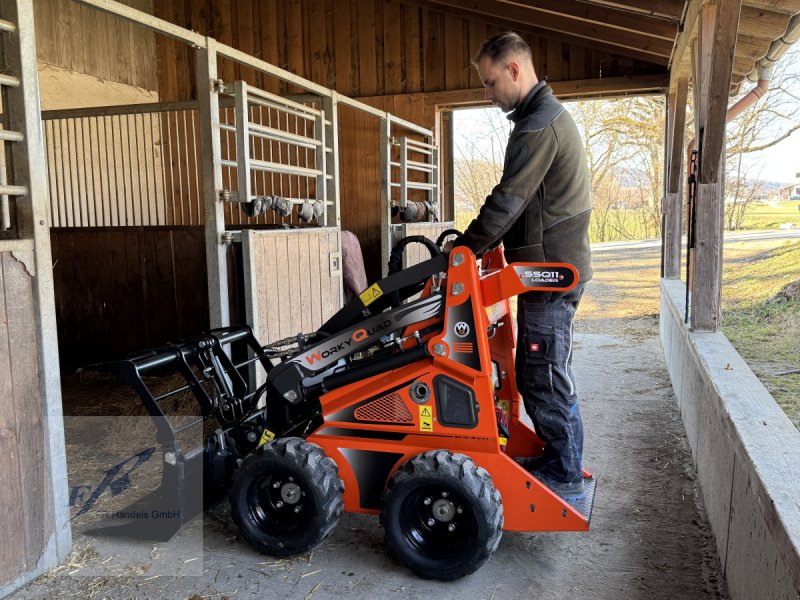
(455, 403)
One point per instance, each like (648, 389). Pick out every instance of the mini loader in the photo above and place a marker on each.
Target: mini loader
(403, 404)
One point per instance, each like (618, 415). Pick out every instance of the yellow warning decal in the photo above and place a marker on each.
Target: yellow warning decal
(425, 418)
(504, 405)
(267, 436)
(503, 440)
(372, 293)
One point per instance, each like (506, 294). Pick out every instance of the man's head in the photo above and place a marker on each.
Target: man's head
(505, 67)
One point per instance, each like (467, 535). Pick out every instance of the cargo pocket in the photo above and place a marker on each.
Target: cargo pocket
(545, 348)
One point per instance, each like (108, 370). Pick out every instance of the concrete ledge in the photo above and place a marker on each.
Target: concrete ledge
(747, 455)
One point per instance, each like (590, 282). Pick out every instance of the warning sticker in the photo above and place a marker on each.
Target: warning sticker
(425, 418)
(372, 293)
(504, 405)
(267, 436)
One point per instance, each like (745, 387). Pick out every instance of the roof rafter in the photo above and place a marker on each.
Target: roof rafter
(603, 15)
(601, 37)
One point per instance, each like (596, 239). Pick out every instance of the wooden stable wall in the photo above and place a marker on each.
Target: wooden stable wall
(24, 519)
(147, 285)
(359, 48)
(83, 40)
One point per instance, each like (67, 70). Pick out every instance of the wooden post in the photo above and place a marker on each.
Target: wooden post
(216, 250)
(674, 181)
(718, 27)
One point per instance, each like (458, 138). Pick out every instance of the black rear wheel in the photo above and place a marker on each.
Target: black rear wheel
(442, 515)
(286, 498)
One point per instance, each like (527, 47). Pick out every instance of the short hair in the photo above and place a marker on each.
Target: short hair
(503, 45)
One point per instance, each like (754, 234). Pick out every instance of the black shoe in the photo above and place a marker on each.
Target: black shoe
(531, 463)
(566, 490)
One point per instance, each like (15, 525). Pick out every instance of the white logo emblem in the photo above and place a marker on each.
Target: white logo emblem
(461, 329)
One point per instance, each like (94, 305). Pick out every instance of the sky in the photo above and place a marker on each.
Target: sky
(781, 162)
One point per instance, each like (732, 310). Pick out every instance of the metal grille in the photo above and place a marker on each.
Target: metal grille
(273, 146)
(388, 409)
(123, 166)
(455, 403)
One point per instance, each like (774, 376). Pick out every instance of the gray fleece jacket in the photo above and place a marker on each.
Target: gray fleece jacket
(540, 209)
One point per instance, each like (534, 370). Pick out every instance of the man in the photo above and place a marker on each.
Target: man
(540, 211)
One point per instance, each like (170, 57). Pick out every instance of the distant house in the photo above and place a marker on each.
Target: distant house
(786, 193)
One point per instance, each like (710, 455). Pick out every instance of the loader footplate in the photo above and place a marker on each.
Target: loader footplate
(585, 504)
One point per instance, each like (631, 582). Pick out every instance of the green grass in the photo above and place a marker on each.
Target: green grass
(769, 216)
(766, 333)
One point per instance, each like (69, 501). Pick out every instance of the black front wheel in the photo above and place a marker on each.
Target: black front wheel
(442, 515)
(286, 498)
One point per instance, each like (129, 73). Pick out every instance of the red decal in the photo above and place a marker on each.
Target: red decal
(534, 347)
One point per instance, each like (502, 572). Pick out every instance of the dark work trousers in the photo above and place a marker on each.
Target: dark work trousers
(544, 378)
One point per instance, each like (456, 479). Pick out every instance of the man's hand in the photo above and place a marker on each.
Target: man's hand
(448, 245)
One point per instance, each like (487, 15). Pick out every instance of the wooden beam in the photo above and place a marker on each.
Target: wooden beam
(564, 90)
(752, 46)
(677, 126)
(680, 61)
(658, 8)
(601, 37)
(706, 255)
(535, 10)
(674, 192)
(761, 22)
(742, 65)
(788, 7)
(722, 54)
(707, 268)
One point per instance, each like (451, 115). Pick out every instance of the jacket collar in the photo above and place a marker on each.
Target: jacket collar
(539, 91)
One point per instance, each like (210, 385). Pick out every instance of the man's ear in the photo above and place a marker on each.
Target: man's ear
(514, 69)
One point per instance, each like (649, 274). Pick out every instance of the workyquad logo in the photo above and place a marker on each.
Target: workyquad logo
(359, 335)
(461, 329)
(362, 334)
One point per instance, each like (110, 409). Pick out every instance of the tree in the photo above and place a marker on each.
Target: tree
(623, 141)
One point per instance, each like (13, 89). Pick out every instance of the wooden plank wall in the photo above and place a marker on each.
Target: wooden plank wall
(119, 290)
(24, 519)
(289, 288)
(359, 170)
(80, 39)
(360, 48)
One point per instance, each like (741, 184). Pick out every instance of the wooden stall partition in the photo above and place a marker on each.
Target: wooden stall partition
(360, 178)
(359, 168)
(119, 290)
(25, 520)
(292, 280)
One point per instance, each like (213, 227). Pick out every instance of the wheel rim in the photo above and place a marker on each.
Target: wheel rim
(438, 521)
(279, 503)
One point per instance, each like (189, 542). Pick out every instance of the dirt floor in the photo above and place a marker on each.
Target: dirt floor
(649, 536)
